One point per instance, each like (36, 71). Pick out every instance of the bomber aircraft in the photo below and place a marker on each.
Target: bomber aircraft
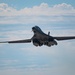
(40, 38)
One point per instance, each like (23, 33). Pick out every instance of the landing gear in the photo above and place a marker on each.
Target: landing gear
(51, 43)
(55, 42)
(37, 43)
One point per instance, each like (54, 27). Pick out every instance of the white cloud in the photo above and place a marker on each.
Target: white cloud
(63, 6)
(36, 14)
(24, 34)
(6, 10)
(45, 71)
(16, 35)
(7, 62)
(65, 50)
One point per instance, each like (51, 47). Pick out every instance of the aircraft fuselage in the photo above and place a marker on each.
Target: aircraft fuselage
(40, 38)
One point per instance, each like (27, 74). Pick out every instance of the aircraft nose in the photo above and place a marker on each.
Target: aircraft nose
(33, 28)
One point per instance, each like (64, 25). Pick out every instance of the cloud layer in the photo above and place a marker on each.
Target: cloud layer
(25, 59)
(36, 14)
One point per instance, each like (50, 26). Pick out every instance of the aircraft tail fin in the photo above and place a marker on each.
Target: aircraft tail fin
(48, 33)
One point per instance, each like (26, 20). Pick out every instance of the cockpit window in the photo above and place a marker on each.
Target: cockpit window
(37, 28)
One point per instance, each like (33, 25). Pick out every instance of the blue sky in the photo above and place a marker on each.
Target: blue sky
(17, 17)
(27, 3)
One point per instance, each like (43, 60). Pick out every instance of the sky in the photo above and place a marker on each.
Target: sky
(17, 17)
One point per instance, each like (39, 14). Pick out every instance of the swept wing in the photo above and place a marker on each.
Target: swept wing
(64, 38)
(18, 41)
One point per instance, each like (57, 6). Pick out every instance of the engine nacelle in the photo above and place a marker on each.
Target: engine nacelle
(36, 42)
(51, 43)
(47, 43)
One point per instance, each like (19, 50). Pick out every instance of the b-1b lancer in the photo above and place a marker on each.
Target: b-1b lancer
(40, 38)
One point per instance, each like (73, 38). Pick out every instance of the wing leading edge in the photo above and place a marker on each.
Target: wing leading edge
(18, 41)
(64, 38)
